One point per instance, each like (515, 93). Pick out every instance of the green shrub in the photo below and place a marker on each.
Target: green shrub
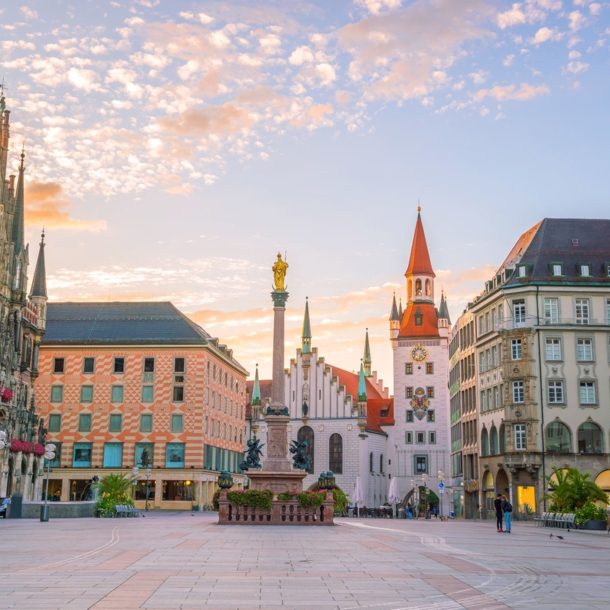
(105, 504)
(590, 512)
(341, 500)
(572, 490)
(114, 489)
(251, 497)
(215, 499)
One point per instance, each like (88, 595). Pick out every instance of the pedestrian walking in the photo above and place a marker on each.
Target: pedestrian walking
(498, 507)
(507, 508)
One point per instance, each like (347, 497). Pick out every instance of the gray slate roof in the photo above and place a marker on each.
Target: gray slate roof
(553, 244)
(120, 324)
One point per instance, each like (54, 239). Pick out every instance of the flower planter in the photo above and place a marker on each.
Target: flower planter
(593, 525)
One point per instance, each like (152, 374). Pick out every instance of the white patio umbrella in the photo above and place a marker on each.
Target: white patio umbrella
(358, 495)
(394, 496)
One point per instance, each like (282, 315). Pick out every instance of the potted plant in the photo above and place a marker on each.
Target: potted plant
(591, 517)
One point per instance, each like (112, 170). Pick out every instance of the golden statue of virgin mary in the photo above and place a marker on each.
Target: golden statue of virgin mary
(279, 273)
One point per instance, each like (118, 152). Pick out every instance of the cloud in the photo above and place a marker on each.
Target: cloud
(28, 13)
(577, 66)
(511, 92)
(508, 60)
(545, 34)
(577, 20)
(376, 6)
(47, 206)
(83, 79)
(514, 16)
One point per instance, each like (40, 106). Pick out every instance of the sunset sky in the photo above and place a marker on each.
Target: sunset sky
(173, 148)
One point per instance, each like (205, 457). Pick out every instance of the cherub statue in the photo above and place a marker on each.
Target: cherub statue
(300, 459)
(253, 453)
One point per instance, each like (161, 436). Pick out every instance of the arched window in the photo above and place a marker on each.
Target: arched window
(494, 441)
(502, 440)
(240, 438)
(224, 431)
(371, 462)
(212, 429)
(428, 288)
(484, 442)
(335, 451)
(590, 438)
(218, 429)
(230, 433)
(418, 288)
(381, 463)
(306, 434)
(558, 438)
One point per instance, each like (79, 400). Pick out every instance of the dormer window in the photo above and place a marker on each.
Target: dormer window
(607, 269)
(521, 271)
(575, 243)
(585, 270)
(557, 269)
(418, 317)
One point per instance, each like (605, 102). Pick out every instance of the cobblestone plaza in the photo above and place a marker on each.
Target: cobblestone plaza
(177, 560)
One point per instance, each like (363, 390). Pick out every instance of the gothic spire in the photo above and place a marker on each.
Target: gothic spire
(256, 390)
(39, 283)
(400, 311)
(306, 334)
(394, 313)
(367, 356)
(419, 262)
(18, 218)
(362, 385)
(443, 310)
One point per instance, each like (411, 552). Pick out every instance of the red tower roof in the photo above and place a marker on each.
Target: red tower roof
(419, 263)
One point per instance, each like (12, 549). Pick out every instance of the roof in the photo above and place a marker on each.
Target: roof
(351, 380)
(394, 312)
(39, 283)
(379, 412)
(443, 310)
(522, 243)
(265, 389)
(429, 325)
(419, 263)
(18, 218)
(553, 242)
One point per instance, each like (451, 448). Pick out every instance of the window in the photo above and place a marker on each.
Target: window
(432, 438)
(608, 309)
(176, 423)
(584, 350)
(430, 391)
(483, 401)
(551, 311)
(179, 365)
(408, 438)
(58, 365)
(88, 365)
(144, 455)
(149, 365)
(115, 422)
(113, 455)
(54, 422)
(409, 392)
(518, 391)
(146, 422)
(431, 416)
(553, 349)
(82, 455)
(493, 441)
(430, 368)
(488, 357)
(519, 313)
(587, 393)
(174, 455)
(516, 349)
(494, 356)
(482, 362)
(557, 269)
(178, 394)
(590, 438)
(119, 365)
(585, 270)
(371, 469)
(520, 441)
(496, 398)
(117, 393)
(420, 438)
(409, 368)
(86, 393)
(484, 442)
(521, 271)
(84, 422)
(147, 393)
(409, 414)
(306, 433)
(335, 451)
(582, 311)
(555, 392)
(381, 463)
(57, 393)
(421, 464)
(558, 438)
(487, 324)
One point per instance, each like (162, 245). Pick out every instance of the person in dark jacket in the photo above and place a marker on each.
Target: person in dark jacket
(507, 509)
(498, 507)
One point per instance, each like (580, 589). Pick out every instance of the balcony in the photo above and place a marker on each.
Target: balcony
(535, 321)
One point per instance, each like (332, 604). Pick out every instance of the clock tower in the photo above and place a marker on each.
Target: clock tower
(419, 338)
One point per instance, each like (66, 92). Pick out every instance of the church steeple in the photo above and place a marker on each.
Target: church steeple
(419, 274)
(18, 218)
(362, 385)
(394, 320)
(256, 390)
(367, 356)
(39, 283)
(306, 334)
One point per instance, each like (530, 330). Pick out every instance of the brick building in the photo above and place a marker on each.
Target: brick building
(139, 384)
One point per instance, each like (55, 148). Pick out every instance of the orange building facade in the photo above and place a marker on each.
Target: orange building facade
(138, 384)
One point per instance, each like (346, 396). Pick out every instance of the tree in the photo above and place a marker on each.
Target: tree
(115, 485)
(571, 490)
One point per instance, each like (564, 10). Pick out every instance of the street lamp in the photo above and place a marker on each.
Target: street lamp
(441, 478)
(424, 478)
(134, 471)
(147, 478)
(49, 454)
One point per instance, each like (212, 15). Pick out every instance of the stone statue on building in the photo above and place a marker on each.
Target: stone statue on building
(279, 273)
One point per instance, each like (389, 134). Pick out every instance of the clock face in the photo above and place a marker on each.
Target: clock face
(419, 353)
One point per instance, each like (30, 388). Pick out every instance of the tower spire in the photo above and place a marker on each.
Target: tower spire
(362, 385)
(394, 313)
(18, 218)
(39, 283)
(400, 311)
(256, 390)
(419, 262)
(367, 356)
(306, 334)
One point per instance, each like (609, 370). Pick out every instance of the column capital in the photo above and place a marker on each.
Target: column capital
(279, 298)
